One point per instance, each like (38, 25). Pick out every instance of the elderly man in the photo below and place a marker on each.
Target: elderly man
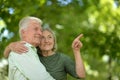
(27, 66)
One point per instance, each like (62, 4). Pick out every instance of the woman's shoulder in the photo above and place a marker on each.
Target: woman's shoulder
(63, 55)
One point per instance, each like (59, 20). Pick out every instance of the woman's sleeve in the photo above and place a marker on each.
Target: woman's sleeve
(69, 65)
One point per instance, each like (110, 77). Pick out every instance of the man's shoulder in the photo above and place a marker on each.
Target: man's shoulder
(31, 53)
(16, 55)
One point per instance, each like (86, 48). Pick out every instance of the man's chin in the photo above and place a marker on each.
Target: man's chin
(37, 42)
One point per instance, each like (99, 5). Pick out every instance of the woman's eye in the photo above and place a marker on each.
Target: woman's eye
(42, 37)
(49, 37)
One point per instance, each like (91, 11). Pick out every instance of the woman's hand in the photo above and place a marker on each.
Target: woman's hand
(18, 47)
(77, 44)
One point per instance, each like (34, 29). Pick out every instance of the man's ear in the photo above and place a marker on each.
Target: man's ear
(22, 31)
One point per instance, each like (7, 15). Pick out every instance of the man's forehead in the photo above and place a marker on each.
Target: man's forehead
(34, 23)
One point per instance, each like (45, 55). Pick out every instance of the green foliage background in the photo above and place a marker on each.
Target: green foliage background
(98, 20)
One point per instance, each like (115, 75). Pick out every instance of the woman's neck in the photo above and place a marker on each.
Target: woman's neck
(47, 53)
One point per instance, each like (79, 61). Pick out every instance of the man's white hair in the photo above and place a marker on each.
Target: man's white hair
(23, 24)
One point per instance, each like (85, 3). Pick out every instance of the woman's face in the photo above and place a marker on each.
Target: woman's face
(47, 41)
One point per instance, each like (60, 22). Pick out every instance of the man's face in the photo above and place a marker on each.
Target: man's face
(33, 33)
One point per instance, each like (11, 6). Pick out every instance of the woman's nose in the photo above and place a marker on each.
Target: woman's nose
(46, 40)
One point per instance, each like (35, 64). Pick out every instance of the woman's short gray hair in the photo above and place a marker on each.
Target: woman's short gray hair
(25, 22)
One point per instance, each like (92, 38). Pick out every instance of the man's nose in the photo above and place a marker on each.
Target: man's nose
(40, 32)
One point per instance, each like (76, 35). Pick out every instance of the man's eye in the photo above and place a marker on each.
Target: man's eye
(35, 28)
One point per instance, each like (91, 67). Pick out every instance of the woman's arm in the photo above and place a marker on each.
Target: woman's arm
(17, 47)
(7, 51)
(76, 45)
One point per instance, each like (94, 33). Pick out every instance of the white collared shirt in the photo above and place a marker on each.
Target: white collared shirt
(27, 66)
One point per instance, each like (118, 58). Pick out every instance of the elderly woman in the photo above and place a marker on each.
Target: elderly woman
(57, 64)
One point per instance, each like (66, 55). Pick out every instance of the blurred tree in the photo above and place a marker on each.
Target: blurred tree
(98, 20)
